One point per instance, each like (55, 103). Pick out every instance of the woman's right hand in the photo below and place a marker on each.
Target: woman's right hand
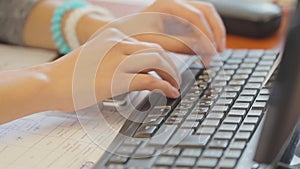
(108, 65)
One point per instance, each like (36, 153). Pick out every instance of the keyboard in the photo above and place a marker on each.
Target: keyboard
(209, 126)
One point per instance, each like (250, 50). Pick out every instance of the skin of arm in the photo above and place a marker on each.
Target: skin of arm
(50, 86)
(23, 92)
(37, 31)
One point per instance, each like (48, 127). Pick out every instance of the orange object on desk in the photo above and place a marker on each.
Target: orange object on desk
(233, 41)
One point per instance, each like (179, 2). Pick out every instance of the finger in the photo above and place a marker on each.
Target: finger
(135, 46)
(188, 45)
(173, 44)
(195, 17)
(138, 47)
(152, 61)
(148, 82)
(215, 22)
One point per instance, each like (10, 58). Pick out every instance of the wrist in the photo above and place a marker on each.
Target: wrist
(94, 22)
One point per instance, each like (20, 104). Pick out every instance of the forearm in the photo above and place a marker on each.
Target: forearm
(37, 31)
(23, 92)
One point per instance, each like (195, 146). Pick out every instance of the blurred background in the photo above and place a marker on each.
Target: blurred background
(280, 2)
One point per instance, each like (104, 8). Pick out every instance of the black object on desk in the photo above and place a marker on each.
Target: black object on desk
(249, 18)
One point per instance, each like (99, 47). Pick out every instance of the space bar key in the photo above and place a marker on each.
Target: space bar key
(162, 135)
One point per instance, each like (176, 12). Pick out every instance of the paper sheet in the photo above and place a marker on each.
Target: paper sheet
(53, 140)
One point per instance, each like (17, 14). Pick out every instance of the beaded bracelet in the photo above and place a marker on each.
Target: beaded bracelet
(56, 21)
(74, 17)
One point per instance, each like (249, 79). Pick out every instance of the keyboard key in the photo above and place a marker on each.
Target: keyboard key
(190, 124)
(245, 99)
(238, 145)
(262, 98)
(171, 120)
(248, 65)
(196, 141)
(249, 92)
(262, 67)
(222, 144)
(259, 74)
(171, 152)
(145, 131)
(229, 95)
(224, 102)
(158, 113)
(222, 77)
(125, 150)
(232, 88)
(244, 71)
(216, 116)
(185, 161)
(132, 142)
(253, 86)
(243, 136)
(210, 123)
(233, 154)
(134, 163)
(115, 166)
(222, 135)
(152, 121)
(247, 127)
(240, 77)
(165, 161)
(195, 117)
(228, 127)
(116, 159)
(191, 152)
(162, 136)
(207, 162)
(251, 120)
(259, 105)
(236, 83)
(213, 153)
(265, 63)
(205, 130)
(239, 53)
(251, 60)
(227, 72)
(222, 109)
(256, 80)
(232, 120)
(240, 113)
(227, 163)
(265, 92)
(230, 67)
(255, 113)
(144, 152)
(200, 110)
(179, 113)
(240, 106)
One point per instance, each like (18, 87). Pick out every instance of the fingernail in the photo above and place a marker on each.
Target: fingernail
(175, 92)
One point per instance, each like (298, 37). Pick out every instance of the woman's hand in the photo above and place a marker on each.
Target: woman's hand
(201, 14)
(180, 26)
(108, 65)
